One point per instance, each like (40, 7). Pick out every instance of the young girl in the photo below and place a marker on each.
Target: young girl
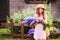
(41, 18)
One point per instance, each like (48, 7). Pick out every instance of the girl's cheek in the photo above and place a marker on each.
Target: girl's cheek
(40, 10)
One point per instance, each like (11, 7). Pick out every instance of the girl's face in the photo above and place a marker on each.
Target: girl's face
(41, 10)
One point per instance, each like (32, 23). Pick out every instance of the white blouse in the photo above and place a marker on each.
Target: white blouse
(41, 17)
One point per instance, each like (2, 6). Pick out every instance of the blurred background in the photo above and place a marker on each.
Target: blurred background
(20, 9)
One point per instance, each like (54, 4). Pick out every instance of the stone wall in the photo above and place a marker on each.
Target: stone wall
(55, 9)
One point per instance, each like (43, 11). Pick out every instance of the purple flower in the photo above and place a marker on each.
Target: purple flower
(30, 32)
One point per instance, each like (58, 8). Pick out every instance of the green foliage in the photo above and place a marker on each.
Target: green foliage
(8, 19)
(28, 12)
(16, 17)
(49, 20)
(58, 22)
(4, 31)
(24, 13)
(17, 29)
(49, 14)
(58, 19)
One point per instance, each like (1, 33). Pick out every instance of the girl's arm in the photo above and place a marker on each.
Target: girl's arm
(44, 21)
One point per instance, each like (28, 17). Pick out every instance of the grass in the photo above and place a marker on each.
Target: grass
(6, 31)
(10, 38)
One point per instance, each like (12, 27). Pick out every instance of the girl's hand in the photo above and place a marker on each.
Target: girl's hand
(37, 20)
(43, 21)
